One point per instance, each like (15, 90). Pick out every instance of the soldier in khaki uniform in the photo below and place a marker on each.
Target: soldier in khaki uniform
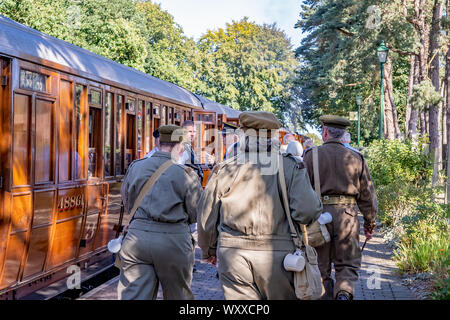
(242, 221)
(346, 189)
(159, 246)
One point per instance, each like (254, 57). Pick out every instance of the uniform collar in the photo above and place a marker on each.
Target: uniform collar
(334, 140)
(162, 154)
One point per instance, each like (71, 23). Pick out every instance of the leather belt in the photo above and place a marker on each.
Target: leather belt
(338, 200)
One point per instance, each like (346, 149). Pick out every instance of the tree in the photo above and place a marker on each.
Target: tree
(250, 67)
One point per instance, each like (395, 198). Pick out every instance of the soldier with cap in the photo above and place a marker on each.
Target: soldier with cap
(346, 189)
(242, 222)
(230, 140)
(159, 246)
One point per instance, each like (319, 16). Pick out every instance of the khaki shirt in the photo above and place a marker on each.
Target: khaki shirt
(174, 197)
(242, 208)
(343, 171)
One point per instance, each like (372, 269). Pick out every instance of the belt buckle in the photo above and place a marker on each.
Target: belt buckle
(342, 198)
(326, 198)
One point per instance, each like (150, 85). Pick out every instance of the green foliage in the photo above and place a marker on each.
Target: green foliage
(424, 247)
(442, 288)
(250, 67)
(402, 172)
(424, 94)
(401, 169)
(338, 58)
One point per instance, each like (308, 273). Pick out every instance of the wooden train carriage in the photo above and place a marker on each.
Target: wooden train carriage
(71, 123)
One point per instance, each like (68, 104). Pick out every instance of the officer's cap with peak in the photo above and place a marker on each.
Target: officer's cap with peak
(172, 133)
(334, 121)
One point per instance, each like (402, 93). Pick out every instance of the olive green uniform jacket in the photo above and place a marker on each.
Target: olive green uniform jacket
(242, 221)
(343, 172)
(159, 245)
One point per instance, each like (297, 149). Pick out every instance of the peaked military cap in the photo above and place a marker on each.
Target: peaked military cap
(259, 120)
(171, 133)
(228, 127)
(334, 121)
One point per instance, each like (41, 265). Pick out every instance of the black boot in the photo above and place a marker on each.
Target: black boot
(344, 295)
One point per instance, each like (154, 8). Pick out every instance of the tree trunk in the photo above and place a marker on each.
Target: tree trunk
(447, 106)
(390, 95)
(388, 101)
(412, 125)
(423, 126)
(433, 74)
(410, 89)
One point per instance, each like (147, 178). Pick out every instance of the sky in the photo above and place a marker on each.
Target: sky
(198, 16)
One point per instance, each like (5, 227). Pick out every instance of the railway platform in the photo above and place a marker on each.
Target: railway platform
(378, 278)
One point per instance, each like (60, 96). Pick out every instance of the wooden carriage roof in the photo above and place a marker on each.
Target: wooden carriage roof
(218, 108)
(21, 41)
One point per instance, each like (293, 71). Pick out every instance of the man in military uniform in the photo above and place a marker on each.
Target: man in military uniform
(242, 221)
(346, 189)
(159, 246)
(230, 140)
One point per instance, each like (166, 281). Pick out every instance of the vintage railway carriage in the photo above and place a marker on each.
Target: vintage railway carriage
(71, 123)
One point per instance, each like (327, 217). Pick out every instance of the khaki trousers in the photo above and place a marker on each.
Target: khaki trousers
(254, 275)
(154, 252)
(343, 250)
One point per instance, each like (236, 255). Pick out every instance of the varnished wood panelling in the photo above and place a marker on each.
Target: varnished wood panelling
(21, 212)
(14, 254)
(39, 241)
(43, 207)
(65, 242)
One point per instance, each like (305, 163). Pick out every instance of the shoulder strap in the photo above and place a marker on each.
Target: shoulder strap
(316, 170)
(294, 233)
(148, 185)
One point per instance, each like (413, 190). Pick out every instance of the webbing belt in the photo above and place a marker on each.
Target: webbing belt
(338, 200)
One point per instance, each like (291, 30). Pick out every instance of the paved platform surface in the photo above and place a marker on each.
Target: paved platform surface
(378, 278)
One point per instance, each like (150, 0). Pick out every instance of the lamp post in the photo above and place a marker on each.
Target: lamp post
(382, 53)
(358, 102)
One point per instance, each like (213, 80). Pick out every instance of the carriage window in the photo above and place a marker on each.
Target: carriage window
(170, 113)
(130, 105)
(95, 124)
(33, 81)
(80, 129)
(109, 134)
(95, 97)
(140, 124)
(65, 130)
(163, 115)
(130, 138)
(148, 132)
(118, 132)
(44, 141)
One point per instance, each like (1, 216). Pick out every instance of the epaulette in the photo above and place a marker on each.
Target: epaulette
(188, 170)
(298, 162)
(225, 162)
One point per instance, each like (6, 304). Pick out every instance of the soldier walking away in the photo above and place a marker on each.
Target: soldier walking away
(346, 189)
(242, 223)
(159, 246)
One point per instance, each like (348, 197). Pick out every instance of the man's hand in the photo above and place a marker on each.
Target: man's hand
(368, 233)
(212, 260)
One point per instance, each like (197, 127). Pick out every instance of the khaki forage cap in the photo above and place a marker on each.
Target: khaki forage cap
(259, 120)
(171, 133)
(334, 121)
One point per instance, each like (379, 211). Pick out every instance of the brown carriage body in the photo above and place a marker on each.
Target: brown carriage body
(67, 135)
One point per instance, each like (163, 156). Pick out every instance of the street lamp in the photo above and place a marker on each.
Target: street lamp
(358, 102)
(382, 53)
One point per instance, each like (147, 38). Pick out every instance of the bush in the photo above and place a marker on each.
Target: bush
(401, 172)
